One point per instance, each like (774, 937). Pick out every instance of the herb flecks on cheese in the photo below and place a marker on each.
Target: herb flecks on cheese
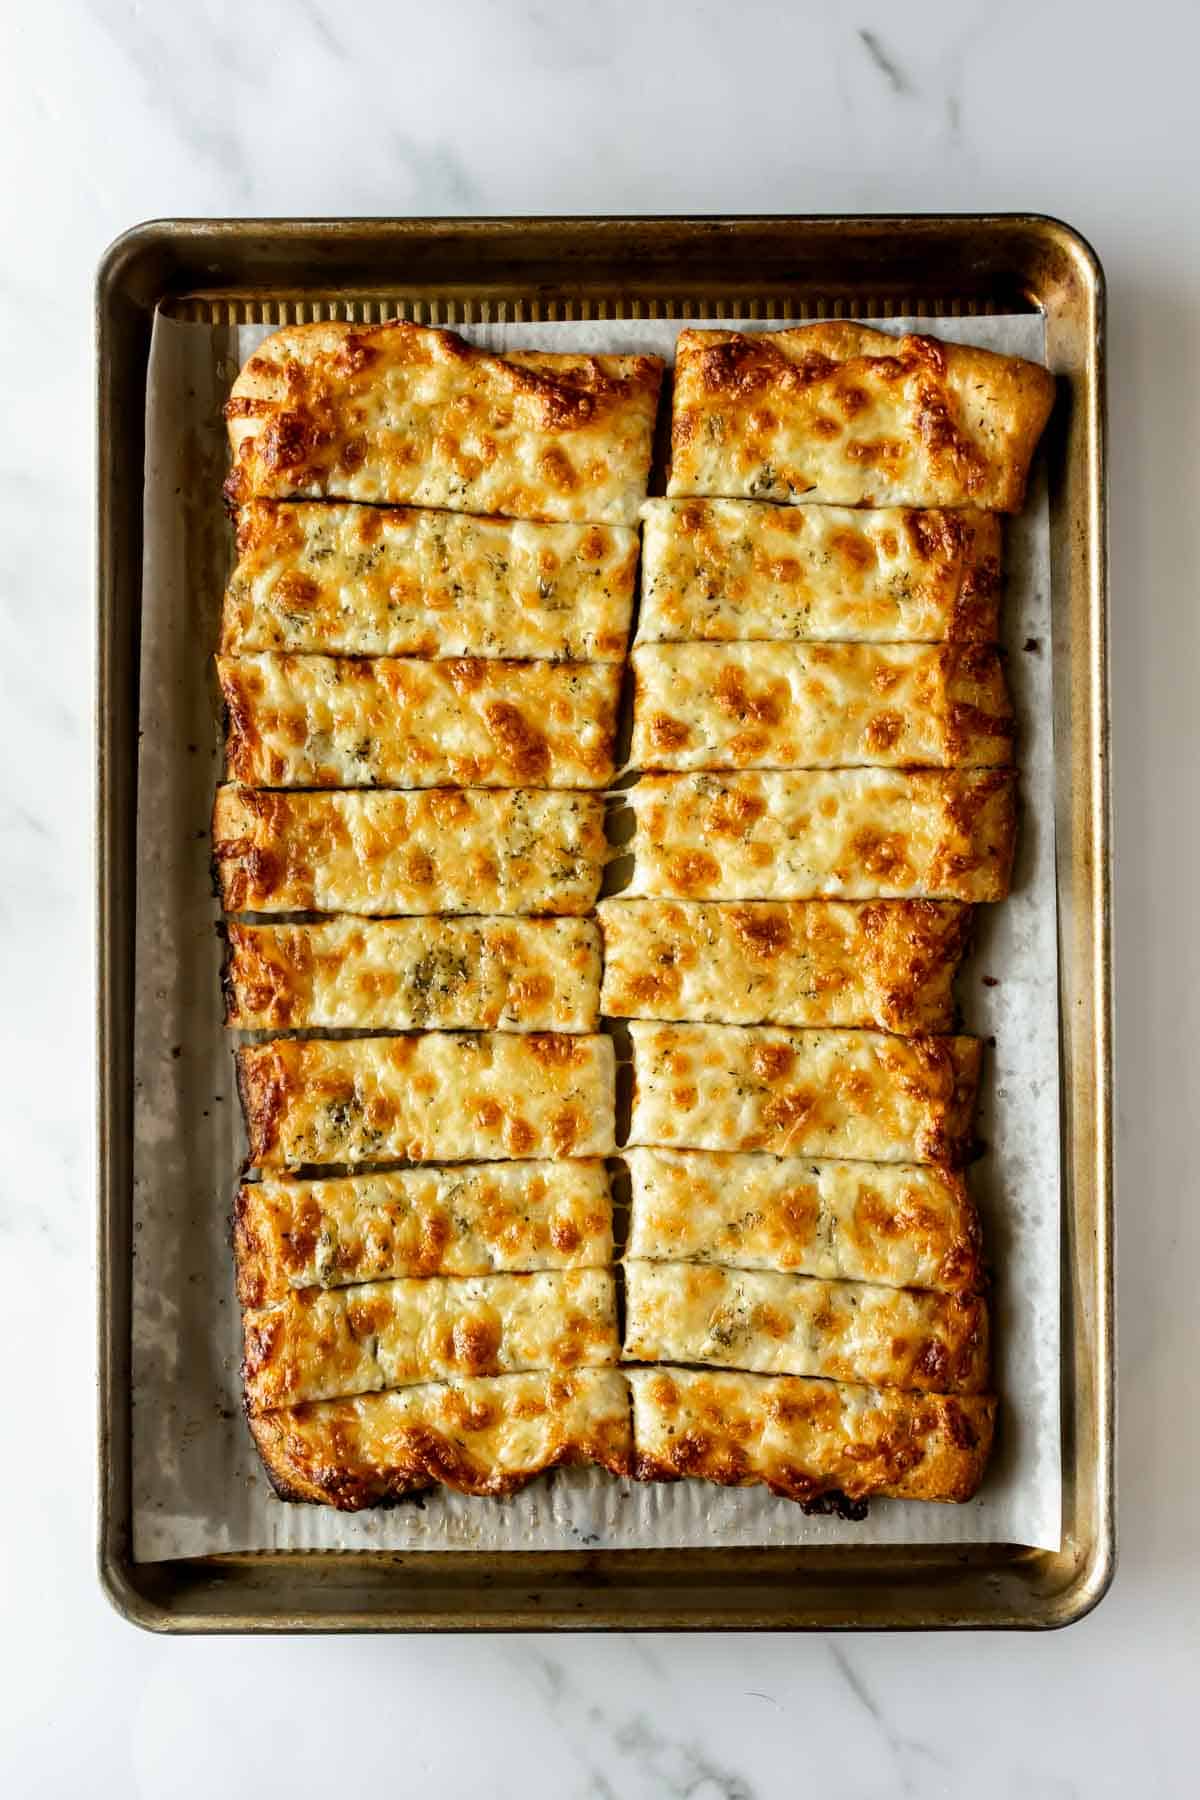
(737, 569)
(861, 1095)
(434, 1096)
(405, 974)
(485, 1435)
(437, 850)
(326, 1344)
(406, 414)
(773, 1324)
(815, 706)
(471, 1219)
(849, 834)
(803, 1439)
(401, 722)
(837, 414)
(402, 581)
(883, 963)
(896, 1224)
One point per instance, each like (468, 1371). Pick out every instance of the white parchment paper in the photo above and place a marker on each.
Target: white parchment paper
(197, 1484)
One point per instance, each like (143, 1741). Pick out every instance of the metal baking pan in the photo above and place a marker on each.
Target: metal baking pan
(470, 270)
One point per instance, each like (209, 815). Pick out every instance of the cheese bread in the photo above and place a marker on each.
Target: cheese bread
(897, 1224)
(819, 706)
(861, 1095)
(485, 1435)
(401, 581)
(331, 721)
(803, 1439)
(402, 974)
(402, 413)
(850, 834)
(330, 1343)
(437, 850)
(435, 1096)
(472, 1219)
(840, 415)
(883, 963)
(777, 1324)
(726, 569)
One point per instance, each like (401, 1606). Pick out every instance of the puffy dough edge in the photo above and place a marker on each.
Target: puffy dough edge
(262, 377)
(333, 1452)
(261, 1092)
(907, 1447)
(950, 1135)
(985, 809)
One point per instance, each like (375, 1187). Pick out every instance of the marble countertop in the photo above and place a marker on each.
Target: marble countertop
(116, 112)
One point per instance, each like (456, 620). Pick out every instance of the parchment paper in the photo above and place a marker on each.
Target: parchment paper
(197, 1484)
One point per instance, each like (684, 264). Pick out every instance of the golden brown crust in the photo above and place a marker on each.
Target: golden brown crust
(402, 413)
(900, 1224)
(851, 834)
(860, 1095)
(839, 414)
(403, 974)
(434, 850)
(434, 1096)
(738, 569)
(487, 1436)
(331, 721)
(803, 1438)
(813, 706)
(472, 1219)
(883, 963)
(405, 581)
(329, 1344)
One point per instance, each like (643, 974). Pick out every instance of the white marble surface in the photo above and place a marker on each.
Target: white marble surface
(117, 112)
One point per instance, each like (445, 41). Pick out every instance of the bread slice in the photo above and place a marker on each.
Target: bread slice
(837, 414)
(410, 414)
(485, 1436)
(804, 1439)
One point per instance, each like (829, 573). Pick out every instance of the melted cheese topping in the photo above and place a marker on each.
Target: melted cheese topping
(844, 416)
(401, 413)
(433, 1097)
(371, 581)
(323, 1344)
(899, 1225)
(325, 721)
(725, 569)
(805, 1438)
(792, 1325)
(475, 1219)
(855, 1094)
(487, 1435)
(438, 851)
(884, 963)
(854, 834)
(811, 706)
(464, 974)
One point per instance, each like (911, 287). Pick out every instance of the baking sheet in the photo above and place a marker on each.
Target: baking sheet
(197, 1485)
